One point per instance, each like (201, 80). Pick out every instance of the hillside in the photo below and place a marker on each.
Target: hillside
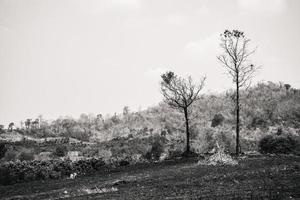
(266, 109)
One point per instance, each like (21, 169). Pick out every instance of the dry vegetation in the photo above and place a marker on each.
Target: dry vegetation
(149, 145)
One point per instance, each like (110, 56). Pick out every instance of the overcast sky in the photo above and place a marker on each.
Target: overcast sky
(67, 57)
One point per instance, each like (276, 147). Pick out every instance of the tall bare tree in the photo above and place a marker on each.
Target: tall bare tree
(180, 93)
(235, 59)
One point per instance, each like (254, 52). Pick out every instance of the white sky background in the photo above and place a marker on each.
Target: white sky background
(67, 57)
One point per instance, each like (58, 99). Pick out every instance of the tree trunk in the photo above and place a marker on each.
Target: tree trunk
(187, 130)
(237, 149)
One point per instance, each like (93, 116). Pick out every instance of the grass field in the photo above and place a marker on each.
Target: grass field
(271, 177)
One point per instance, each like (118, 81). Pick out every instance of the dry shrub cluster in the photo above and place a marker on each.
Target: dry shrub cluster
(219, 158)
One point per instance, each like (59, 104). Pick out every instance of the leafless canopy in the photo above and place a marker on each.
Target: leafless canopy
(179, 92)
(236, 55)
(236, 59)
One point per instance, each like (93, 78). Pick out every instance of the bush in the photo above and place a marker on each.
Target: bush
(175, 154)
(281, 144)
(60, 151)
(205, 141)
(45, 155)
(21, 171)
(217, 120)
(26, 155)
(258, 122)
(137, 158)
(225, 138)
(79, 133)
(207, 137)
(156, 150)
(104, 154)
(10, 155)
(3, 150)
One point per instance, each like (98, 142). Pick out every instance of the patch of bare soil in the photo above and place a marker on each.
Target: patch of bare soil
(253, 178)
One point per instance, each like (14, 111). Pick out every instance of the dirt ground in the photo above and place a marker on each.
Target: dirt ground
(271, 177)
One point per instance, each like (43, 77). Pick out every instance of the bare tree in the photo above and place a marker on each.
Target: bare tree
(126, 110)
(99, 121)
(10, 126)
(1, 128)
(28, 123)
(180, 93)
(35, 123)
(236, 60)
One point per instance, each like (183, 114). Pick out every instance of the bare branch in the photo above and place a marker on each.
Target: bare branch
(235, 57)
(179, 92)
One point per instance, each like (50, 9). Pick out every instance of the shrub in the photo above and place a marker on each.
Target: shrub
(225, 139)
(189, 154)
(137, 158)
(79, 133)
(10, 155)
(156, 150)
(3, 150)
(60, 151)
(207, 138)
(45, 155)
(175, 154)
(47, 132)
(5, 176)
(281, 144)
(204, 141)
(20, 171)
(26, 155)
(55, 175)
(217, 120)
(88, 152)
(124, 163)
(258, 122)
(104, 154)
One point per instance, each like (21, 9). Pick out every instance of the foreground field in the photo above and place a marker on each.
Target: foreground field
(254, 178)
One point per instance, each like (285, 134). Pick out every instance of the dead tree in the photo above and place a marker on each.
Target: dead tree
(235, 59)
(180, 93)
(10, 126)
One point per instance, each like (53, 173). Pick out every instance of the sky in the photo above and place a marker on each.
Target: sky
(67, 57)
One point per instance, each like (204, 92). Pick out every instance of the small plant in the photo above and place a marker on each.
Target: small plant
(217, 120)
(137, 158)
(10, 155)
(175, 154)
(26, 155)
(104, 154)
(60, 151)
(2, 129)
(3, 150)
(258, 122)
(156, 151)
(278, 144)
